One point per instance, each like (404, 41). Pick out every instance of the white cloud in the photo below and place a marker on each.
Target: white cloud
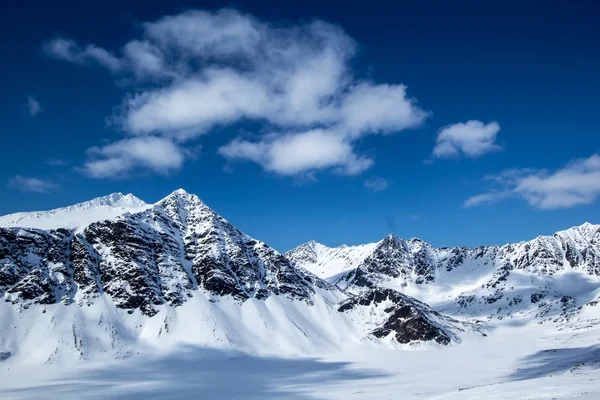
(377, 184)
(486, 198)
(174, 110)
(144, 59)
(379, 108)
(29, 184)
(68, 50)
(470, 139)
(117, 159)
(296, 153)
(198, 70)
(33, 106)
(576, 183)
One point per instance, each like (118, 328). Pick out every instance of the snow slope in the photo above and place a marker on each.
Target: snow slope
(326, 261)
(533, 361)
(547, 277)
(77, 215)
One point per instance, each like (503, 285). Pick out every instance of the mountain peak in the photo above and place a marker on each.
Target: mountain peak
(116, 199)
(182, 198)
(391, 238)
(585, 231)
(77, 215)
(180, 192)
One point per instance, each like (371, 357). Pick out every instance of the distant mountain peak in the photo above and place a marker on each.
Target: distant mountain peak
(116, 199)
(77, 215)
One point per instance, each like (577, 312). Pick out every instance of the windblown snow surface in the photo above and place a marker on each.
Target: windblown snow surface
(77, 215)
(531, 331)
(519, 359)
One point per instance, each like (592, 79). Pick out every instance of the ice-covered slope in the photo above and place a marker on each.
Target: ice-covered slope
(326, 261)
(77, 215)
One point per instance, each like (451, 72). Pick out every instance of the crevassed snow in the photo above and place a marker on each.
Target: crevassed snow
(77, 215)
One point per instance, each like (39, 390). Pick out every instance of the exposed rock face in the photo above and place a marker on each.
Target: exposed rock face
(417, 261)
(407, 319)
(505, 274)
(34, 266)
(156, 256)
(166, 253)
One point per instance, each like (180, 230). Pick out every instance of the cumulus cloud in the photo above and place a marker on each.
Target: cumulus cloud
(30, 184)
(33, 106)
(290, 154)
(377, 184)
(576, 183)
(469, 139)
(116, 159)
(198, 70)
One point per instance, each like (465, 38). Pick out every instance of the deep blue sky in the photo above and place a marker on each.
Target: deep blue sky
(534, 67)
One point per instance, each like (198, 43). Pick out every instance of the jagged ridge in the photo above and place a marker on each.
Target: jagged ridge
(495, 279)
(156, 256)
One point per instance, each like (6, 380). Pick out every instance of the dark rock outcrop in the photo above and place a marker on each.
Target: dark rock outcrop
(157, 256)
(407, 319)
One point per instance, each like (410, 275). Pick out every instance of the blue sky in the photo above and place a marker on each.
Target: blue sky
(463, 124)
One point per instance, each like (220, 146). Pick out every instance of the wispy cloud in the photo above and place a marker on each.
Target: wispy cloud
(69, 50)
(576, 183)
(469, 139)
(33, 106)
(198, 70)
(377, 184)
(30, 184)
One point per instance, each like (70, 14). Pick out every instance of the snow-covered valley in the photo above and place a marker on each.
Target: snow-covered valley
(518, 361)
(169, 300)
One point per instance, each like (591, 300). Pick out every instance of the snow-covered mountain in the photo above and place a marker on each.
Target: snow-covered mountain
(179, 292)
(77, 215)
(177, 271)
(120, 274)
(550, 276)
(326, 261)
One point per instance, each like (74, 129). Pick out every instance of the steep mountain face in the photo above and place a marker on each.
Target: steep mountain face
(549, 276)
(121, 272)
(401, 317)
(156, 256)
(173, 271)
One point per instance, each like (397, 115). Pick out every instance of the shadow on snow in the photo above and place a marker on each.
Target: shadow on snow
(195, 372)
(555, 361)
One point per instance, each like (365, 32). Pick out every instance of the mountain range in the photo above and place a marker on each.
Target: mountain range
(104, 277)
